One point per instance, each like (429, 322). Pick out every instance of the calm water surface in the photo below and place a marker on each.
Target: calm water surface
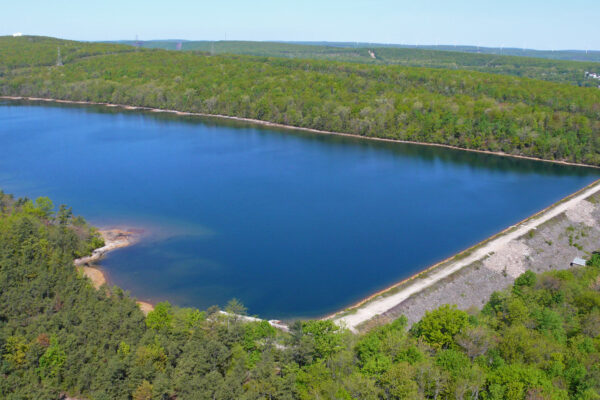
(293, 224)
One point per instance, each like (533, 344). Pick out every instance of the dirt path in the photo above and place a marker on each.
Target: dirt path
(380, 304)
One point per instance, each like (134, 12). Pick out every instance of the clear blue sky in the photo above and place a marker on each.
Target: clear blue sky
(551, 24)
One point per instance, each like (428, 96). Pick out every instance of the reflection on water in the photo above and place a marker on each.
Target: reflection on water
(291, 223)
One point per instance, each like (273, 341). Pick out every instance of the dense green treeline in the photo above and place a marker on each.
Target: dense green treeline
(43, 51)
(293, 47)
(573, 55)
(572, 72)
(461, 108)
(562, 71)
(539, 339)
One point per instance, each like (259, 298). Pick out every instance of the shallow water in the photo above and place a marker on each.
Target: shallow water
(293, 224)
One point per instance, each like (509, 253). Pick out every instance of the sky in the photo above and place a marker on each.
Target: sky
(549, 25)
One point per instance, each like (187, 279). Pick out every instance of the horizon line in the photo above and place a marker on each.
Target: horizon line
(383, 44)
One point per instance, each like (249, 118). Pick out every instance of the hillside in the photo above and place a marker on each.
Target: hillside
(519, 63)
(470, 110)
(539, 339)
(572, 55)
(31, 51)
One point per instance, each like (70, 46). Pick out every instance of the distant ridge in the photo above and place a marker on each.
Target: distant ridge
(566, 66)
(564, 54)
(471, 101)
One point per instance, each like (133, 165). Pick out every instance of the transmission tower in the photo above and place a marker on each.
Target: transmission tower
(138, 43)
(59, 62)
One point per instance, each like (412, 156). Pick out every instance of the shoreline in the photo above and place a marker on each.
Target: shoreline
(400, 290)
(384, 300)
(119, 238)
(289, 127)
(391, 297)
(113, 239)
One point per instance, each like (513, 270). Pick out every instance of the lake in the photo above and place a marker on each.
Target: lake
(291, 223)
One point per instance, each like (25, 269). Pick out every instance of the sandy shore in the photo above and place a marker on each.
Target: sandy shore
(290, 127)
(94, 274)
(506, 246)
(145, 307)
(113, 239)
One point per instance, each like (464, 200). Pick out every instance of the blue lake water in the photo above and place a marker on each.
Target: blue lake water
(292, 224)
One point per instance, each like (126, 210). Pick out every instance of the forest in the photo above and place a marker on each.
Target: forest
(293, 46)
(521, 63)
(59, 336)
(466, 109)
(573, 55)
(30, 51)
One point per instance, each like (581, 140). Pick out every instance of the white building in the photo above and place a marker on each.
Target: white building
(592, 75)
(578, 261)
(17, 34)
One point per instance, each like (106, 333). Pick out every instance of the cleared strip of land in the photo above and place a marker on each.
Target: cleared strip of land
(505, 241)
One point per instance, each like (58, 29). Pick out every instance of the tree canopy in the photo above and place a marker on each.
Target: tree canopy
(539, 339)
